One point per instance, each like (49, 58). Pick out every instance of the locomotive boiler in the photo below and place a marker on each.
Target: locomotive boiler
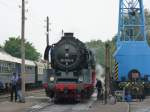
(72, 73)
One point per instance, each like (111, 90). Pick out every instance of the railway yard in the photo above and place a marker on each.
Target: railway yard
(36, 101)
(76, 76)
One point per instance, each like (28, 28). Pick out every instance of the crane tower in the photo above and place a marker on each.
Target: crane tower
(132, 53)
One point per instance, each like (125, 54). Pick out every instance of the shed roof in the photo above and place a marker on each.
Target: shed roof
(7, 57)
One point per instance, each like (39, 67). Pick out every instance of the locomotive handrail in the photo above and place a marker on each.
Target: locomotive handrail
(46, 53)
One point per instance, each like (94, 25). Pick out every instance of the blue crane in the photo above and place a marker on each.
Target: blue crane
(133, 53)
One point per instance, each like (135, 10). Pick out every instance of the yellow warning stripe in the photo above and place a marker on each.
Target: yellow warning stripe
(116, 71)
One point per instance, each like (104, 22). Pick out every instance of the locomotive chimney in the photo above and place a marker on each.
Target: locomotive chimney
(68, 34)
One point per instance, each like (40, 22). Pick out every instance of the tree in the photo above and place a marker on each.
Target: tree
(98, 47)
(13, 47)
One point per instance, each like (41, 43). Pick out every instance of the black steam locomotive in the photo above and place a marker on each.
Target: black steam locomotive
(72, 75)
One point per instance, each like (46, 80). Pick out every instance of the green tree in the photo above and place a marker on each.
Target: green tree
(13, 47)
(98, 47)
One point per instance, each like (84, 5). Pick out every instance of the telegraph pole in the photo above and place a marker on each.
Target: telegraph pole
(107, 71)
(47, 39)
(47, 30)
(23, 47)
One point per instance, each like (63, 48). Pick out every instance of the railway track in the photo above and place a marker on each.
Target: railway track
(63, 106)
(78, 107)
(39, 103)
(39, 107)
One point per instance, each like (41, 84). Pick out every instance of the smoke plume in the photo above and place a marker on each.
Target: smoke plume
(100, 73)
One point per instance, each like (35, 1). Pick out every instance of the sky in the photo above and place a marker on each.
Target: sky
(88, 19)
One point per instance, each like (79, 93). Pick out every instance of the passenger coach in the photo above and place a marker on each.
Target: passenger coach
(34, 71)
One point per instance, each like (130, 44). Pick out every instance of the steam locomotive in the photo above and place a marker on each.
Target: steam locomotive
(72, 75)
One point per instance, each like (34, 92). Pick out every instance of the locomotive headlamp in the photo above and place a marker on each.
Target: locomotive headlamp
(80, 79)
(51, 79)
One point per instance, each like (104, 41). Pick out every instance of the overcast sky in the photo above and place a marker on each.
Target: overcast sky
(88, 19)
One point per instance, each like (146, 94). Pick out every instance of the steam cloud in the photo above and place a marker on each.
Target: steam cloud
(100, 73)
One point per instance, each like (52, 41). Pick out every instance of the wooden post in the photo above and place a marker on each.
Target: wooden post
(107, 71)
(23, 48)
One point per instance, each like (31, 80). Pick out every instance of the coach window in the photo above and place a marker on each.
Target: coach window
(41, 70)
(0, 67)
(3, 68)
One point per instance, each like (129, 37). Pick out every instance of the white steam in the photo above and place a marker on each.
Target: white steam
(100, 73)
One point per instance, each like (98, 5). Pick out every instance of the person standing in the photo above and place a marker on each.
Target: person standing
(99, 87)
(18, 85)
(2, 86)
(13, 86)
